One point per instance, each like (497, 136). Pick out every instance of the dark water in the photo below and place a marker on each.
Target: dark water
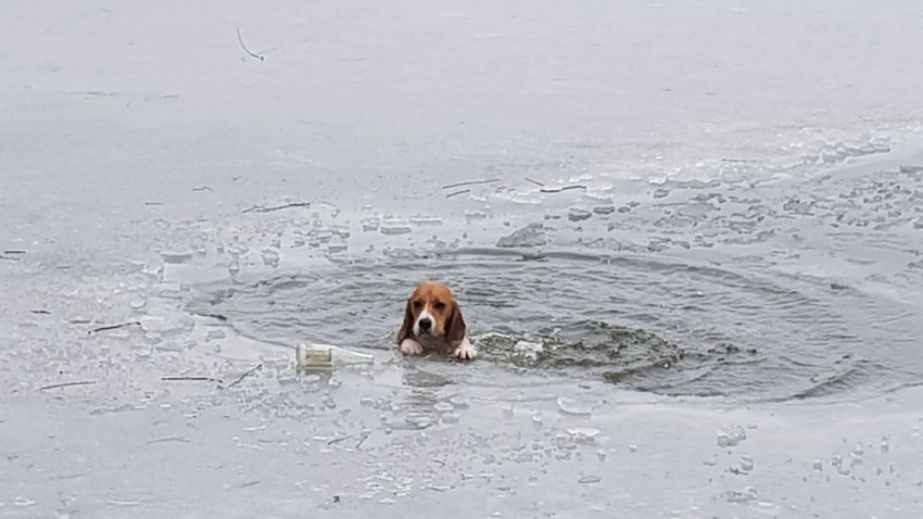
(638, 322)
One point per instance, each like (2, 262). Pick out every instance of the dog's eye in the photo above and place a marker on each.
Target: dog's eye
(417, 305)
(439, 305)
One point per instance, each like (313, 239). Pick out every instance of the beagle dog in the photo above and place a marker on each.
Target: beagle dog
(433, 321)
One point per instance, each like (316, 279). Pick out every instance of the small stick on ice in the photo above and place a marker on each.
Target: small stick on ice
(68, 384)
(456, 193)
(559, 189)
(245, 375)
(213, 316)
(114, 327)
(264, 209)
(166, 439)
(338, 440)
(190, 379)
(248, 51)
(471, 183)
(12, 255)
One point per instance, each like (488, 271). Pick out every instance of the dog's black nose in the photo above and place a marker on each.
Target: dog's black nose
(425, 324)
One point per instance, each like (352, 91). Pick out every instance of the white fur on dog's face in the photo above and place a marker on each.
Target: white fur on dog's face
(417, 331)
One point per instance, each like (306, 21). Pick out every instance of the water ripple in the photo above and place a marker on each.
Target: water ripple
(642, 323)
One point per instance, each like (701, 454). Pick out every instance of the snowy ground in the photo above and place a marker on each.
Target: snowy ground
(750, 174)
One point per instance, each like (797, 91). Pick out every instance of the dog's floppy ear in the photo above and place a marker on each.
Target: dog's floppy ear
(456, 329)
(407, 328)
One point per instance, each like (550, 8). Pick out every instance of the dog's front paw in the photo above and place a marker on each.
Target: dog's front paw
(466, 351)
(411, 347)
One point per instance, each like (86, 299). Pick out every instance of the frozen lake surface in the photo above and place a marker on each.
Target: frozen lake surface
(688, 237)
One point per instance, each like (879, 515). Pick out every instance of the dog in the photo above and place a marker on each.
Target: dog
(433, 321)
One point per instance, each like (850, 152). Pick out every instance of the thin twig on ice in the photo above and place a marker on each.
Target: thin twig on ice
(245, 375)
(248, 51)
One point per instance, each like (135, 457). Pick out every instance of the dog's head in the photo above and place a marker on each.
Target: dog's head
(432, 310)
